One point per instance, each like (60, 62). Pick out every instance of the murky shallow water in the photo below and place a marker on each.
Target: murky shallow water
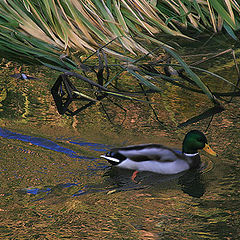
(55, 186)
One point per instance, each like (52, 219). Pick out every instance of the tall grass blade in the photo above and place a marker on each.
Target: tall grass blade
(144, 81)
(193, 76)
(224, 14)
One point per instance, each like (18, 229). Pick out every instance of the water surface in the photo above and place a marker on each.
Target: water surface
(55, 186)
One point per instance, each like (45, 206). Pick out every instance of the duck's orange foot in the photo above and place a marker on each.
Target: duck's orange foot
(134, 176)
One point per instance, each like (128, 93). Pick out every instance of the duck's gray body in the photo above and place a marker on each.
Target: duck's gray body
(152, 157)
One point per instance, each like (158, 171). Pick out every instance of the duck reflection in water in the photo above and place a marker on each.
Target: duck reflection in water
(191, 182)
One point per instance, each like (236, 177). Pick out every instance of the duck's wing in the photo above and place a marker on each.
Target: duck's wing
(146, 152)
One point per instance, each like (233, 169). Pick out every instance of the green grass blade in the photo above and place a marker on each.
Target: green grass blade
(193, 76)
(224, 14)
(144, 81)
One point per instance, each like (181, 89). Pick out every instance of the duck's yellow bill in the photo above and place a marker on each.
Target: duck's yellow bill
(209, 150)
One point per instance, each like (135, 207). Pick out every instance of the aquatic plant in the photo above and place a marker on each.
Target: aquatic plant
(47, 30)
(58, 33)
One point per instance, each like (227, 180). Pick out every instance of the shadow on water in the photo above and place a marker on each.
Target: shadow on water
(119, 180)
(190, 182)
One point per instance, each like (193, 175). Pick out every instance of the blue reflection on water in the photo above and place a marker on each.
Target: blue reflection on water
(47, 190)
(42, 142)
(93, 146)
(37, 190)
(48, 144)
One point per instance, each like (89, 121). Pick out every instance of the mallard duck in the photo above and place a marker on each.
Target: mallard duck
(160, 159)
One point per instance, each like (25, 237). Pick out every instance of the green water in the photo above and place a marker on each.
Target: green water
(55, 186)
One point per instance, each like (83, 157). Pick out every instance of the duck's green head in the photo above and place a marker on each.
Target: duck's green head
(195, 140)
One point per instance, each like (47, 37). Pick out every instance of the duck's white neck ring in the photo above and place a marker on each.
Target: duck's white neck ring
(190, 154)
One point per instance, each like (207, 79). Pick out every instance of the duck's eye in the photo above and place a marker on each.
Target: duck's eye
(200, 139)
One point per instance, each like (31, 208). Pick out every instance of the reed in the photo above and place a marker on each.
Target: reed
(58, 33)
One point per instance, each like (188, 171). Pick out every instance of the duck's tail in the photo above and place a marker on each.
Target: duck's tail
(114, 157)
(111, 160)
